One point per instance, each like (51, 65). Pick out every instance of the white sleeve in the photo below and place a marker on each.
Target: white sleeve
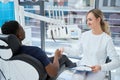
(114, 57)
(75, 50)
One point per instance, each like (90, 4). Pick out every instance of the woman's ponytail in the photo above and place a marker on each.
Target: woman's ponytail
(105, 27)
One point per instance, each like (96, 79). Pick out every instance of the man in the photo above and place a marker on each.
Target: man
(51, 65)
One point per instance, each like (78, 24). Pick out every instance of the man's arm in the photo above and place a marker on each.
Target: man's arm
(52, 68)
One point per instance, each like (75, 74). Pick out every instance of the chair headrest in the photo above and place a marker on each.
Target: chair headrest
(9, 45)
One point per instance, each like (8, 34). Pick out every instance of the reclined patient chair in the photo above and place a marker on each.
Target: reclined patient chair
(15, 65)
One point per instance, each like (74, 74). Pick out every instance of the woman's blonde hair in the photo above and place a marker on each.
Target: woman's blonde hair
(99, 14)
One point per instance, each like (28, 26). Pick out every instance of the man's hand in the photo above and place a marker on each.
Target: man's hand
(58, 53)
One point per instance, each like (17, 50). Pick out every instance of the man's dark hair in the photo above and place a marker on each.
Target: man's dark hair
(10, 27)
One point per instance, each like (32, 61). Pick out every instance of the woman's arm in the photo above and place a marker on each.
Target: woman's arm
(114, 57)
(74, 50)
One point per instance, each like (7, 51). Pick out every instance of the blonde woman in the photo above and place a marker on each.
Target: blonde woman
(95, 45)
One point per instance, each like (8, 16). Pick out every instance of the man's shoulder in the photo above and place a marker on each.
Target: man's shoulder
(26, 46)
(31, 48)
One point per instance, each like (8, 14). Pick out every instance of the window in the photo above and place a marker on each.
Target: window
(105, 2)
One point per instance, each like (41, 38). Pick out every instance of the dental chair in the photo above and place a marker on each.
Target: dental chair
(108, 75)
(15, 65)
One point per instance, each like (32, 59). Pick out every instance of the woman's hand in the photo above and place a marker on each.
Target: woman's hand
(96, 68)
(62, 50)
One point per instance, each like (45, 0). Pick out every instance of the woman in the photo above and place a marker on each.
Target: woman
(96, 45)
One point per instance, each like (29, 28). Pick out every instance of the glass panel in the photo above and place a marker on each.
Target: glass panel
(34, 24)
(110, 5)
(114, 22)
(105, 3)
(113, 3)
(4, 9)
(112, 15)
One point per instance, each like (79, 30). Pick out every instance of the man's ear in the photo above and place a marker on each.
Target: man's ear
(18, 35)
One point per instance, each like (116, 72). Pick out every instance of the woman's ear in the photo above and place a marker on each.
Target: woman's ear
(98, 19)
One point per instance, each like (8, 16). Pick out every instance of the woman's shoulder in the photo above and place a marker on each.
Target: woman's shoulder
(106, 36)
